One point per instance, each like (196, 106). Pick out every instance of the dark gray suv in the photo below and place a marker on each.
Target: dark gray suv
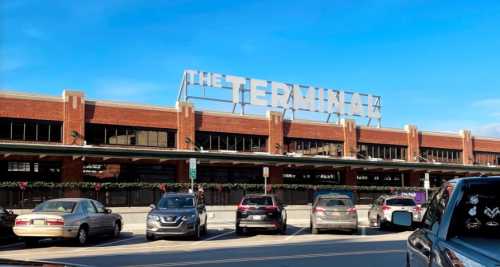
(461, 226)
(177, 214)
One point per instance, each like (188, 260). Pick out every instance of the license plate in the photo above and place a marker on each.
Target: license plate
(38, 222)
(257, 217)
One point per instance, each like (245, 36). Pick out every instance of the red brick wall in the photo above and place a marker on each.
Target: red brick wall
(106, 114)
(31, 109)
(486, 145)
(467, 150)
(72, 171)
(413, 143)
(230, 124)
(350, 139)
(74, 118)
(321, 131)
(440, 141)
(275, 140)
(380, 136)
(185, 125)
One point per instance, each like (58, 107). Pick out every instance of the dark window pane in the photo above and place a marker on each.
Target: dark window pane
(18, 130)
(55, 132)
(43, 132)
(30, 131)
(5, 129)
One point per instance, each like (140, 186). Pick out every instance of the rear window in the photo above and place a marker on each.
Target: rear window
(257, 201)
(56, 206)
(400, 202)
(478, 213)
(333, 202)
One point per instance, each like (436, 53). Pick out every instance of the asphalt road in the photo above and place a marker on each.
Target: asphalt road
(221, 247)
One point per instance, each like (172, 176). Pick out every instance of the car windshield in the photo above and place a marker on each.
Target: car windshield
(333, 202)
(478, 213)
(176, 202)
(400, 202)
(257, 201)
(56, 206)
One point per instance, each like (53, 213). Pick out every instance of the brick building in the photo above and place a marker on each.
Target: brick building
(69, 138)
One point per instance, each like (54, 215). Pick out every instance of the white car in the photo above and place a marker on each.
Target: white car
(380, 213)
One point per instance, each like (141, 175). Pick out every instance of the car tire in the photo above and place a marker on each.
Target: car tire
(197, 232)
(116, 230)
(283, 228)
(239, 230)
(82, 236)
(204, 230)
(31, 242)
(150, 237)
(354, 231)
(314, 230)
(379, 223)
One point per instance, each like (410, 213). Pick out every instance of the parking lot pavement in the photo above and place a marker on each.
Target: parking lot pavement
(221, 246)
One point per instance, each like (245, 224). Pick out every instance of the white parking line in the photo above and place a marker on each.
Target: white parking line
(268, 258)
(296, 233)
(212, 238)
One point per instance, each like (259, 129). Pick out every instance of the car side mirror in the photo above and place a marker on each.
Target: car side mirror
(108, 211)
(152, 206)
(402, 218)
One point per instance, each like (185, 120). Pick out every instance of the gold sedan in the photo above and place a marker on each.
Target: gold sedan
(69, 218)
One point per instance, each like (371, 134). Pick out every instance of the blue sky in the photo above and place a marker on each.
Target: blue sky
(436, 64)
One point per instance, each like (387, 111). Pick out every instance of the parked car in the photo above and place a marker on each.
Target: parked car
(68, 218)
(260, 212)
(380, 213)
(461, 226)
(7, 219)
(333, 212)
(177, 214)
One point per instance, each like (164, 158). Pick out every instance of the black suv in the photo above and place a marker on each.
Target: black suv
(260, 212)
(177, 214)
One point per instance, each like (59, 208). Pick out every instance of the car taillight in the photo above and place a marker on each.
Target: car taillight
(385, 207)
(271, 208)
(55, 222)
(417, 209)
(242, 208)
(22, 222)
(351, 210)
(319, 210)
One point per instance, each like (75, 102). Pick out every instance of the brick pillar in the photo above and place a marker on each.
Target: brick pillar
(413, 150)
(74, 118)
(467, 150)
(275, 174)
(350, 138)
(350, 176)
(72, 171)
(275, 137)
(182, 170)
(185, 126)
(412, 179)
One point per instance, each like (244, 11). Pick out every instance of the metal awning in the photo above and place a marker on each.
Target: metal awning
(135, 154)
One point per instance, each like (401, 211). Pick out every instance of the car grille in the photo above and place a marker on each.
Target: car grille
(170, 220)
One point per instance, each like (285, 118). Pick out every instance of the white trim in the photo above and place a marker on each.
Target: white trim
(29, 96)
(128, 105)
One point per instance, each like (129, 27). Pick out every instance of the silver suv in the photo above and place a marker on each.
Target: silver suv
(380, 213)
(333, 212)
(177, 214)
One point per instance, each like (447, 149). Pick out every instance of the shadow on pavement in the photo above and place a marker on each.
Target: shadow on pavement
(312, 253)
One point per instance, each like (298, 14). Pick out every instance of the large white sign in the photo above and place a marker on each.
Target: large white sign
(288, 96)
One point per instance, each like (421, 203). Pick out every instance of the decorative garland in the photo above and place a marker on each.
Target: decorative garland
(204, 186)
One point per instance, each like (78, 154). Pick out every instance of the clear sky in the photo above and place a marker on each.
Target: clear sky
(436, 64)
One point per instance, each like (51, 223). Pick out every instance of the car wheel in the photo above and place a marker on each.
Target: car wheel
(354, 231)
(283, 228)
(239, 230)
(197, 232)
(31, 242)
(116, 230)
(379, 223)
(150, 237)
(204, 231)
(82, 236)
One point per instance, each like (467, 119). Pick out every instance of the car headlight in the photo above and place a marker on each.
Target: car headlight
(458, 260)
(153, 218)
(188, 217)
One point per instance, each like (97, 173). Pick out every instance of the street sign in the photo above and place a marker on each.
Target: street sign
(427, 183)
(192, 168)
(265, 172)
